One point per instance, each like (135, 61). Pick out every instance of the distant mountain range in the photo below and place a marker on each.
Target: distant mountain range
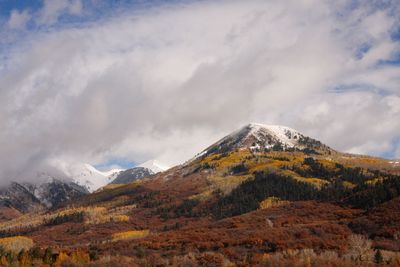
(28, 196)
(49, 191)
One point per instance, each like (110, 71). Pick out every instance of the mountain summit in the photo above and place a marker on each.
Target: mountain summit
(89, 177)
(154, 165)
(263, 138)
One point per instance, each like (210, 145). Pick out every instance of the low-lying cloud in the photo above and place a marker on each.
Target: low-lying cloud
(167, 81)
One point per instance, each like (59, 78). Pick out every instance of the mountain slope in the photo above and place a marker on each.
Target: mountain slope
(131, 175)
(54, 192)
(254, 198)
(33, 196)
(20, 198)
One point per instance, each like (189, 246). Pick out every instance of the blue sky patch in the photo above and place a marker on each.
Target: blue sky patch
(123, 163)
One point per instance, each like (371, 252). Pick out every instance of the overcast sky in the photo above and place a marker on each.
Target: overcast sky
(121, 82)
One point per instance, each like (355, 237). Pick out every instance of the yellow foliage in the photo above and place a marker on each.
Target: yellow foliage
(316, 182)
(223, 183)
(16, 243)
(133, 234)
(348, 184)
(120, 218)
(92, 214)
(108, 218)
(263, 166)
(62, 257)
(329, 164)
(274, 161)
(272, 202)
(24, 259)
(222, 162)
(112, 215)
(374, 181)
(80, 257)
(3, 261)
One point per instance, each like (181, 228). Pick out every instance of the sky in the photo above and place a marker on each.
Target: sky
(120, 82)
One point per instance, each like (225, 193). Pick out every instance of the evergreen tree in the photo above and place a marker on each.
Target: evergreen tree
(378, 256)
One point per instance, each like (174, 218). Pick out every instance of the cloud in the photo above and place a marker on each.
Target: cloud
(18, 19)
(167, 81)
(53, 9)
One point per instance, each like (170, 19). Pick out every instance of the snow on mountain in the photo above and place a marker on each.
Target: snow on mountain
(43, 190)
(53, 192)
(54, 187)
(19, 197)
(89, 177)
(262, 137)
(155, 166)
(131, 175)
(139, 172)
(288, 137)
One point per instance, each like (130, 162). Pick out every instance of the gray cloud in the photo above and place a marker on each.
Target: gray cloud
(166, 82)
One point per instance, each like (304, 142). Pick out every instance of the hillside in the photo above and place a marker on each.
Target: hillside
(262, 196)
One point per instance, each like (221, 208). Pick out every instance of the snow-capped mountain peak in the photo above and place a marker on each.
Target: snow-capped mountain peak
(89, 177)
(262, 137)
(285, 135)
(155, 166)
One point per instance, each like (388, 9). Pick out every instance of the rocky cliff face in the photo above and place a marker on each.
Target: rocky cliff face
(131, 175)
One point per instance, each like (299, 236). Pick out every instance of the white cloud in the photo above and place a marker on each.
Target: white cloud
(19, 19)
(53, 9)
(166, 82)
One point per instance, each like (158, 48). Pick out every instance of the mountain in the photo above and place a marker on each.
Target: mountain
(261, 196)
(89, 177)
(155, 166)
(131, 175)
(34, 196)
(20, 198)
(54, 192)
(146, 169)
(50, 191)
(263, 138)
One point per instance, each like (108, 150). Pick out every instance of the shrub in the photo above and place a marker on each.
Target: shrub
(272, 202)
(359, 248)
(16, 243)
(130, 235)
(48, 256)
(60, 219)
(80, 257)
(93, 253)
(378, 256)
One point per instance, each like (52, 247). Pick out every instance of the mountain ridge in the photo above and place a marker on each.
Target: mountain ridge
(262, 137)
(143, 170)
